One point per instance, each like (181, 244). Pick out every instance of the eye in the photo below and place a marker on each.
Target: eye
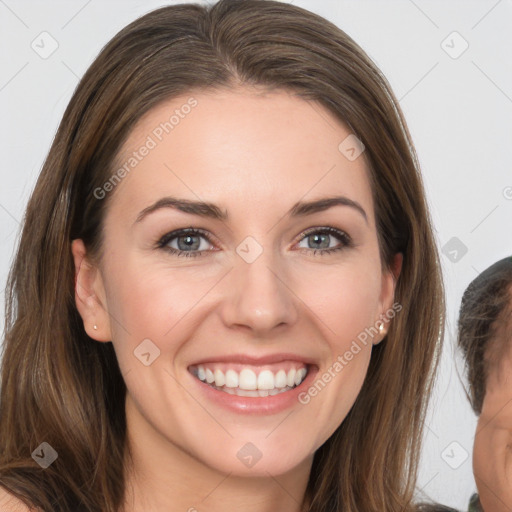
(188, 242)
(319, 240)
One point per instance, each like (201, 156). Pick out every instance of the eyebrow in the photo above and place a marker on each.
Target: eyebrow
(210, 210)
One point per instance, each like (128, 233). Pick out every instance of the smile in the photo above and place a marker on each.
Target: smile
(251, 381)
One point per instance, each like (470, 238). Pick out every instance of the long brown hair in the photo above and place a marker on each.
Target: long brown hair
(61, 387)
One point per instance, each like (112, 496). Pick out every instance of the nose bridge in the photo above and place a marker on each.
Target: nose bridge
(257, 294)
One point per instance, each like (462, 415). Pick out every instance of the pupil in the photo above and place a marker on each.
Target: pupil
(318, 238)
(188, 241)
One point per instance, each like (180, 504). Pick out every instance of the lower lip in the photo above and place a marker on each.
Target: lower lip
(271, 404)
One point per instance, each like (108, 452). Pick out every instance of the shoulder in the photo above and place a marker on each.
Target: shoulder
(433, 507)
(9, 503)
(474, 504)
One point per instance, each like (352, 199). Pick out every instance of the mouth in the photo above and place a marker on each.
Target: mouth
(250, 380)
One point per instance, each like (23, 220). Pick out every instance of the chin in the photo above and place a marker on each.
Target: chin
(258, 458)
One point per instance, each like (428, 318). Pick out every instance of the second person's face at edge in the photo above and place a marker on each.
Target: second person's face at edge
(492, 461)
(254, 156)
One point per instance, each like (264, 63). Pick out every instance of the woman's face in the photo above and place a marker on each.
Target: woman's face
(271, 281)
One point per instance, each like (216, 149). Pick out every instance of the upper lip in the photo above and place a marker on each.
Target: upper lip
(255, 361)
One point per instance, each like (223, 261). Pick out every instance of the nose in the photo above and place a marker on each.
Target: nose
(258, 297)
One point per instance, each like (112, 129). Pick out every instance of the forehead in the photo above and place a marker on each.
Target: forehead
(244, 146)
(498, 356)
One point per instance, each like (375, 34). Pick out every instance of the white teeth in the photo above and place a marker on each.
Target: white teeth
(266, 380)
(245, 392)
(247, 383)
(220, 380)
(291, 377)
(209, 376)
(299, 376)
(231, 379)
(280, 379)
(252, 393)
(247, 380)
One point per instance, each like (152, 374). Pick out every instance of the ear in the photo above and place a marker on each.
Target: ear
(90, 298)
(388, 285)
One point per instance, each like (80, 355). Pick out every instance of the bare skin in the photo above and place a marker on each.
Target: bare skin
(492, 450)
(9, 503)
(254, 154)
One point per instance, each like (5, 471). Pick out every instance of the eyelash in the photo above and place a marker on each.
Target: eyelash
(342, 236)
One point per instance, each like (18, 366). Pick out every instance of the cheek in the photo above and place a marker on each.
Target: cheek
(347, 305)
(146, 302)
(346, 299)
(492, 466)
(481, 467)
(151, 298)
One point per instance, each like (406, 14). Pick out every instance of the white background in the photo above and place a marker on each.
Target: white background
(459, 111)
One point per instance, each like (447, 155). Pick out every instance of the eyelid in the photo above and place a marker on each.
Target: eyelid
(171, 235)
(330, 230)
(343, 237)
